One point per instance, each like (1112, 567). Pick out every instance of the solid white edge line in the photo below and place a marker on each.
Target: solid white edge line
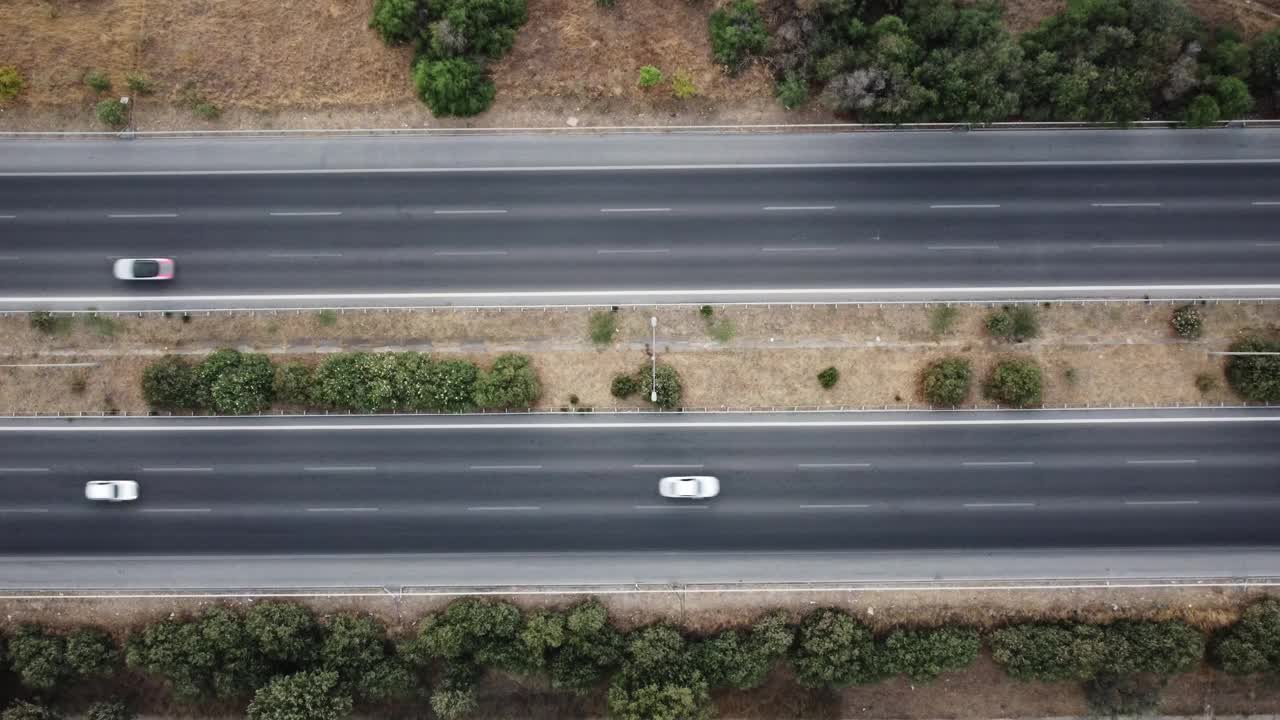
(709, 424)
(614, 294)
(628, 168)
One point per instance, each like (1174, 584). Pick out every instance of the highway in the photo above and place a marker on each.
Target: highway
(544, 486)
(829, 221)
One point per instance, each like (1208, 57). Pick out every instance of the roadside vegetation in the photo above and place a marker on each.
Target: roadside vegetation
(280, 661)
(229, 382)
(941, 61)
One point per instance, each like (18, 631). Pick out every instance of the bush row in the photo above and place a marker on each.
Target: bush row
(235, 383)
(1016, 382)
(287, 664)
(942, 61)
(454, 41)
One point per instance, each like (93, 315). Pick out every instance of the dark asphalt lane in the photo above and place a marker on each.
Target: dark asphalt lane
(556, 490)
(828, 227)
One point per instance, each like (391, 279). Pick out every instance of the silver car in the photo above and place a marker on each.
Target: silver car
(111, 490)
(143, 269)
(696, 487)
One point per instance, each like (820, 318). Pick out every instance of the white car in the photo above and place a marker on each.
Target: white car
(143, 269)
(698, 487)
(111, 490)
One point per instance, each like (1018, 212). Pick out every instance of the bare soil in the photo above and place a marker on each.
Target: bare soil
(315, 64)
(1092, 354)
(980, 691)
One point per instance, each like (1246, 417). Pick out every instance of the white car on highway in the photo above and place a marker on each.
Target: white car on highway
(697, 487)
(111, 490)
(143, 269)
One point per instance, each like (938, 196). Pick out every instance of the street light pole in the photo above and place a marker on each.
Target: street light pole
(653, 355)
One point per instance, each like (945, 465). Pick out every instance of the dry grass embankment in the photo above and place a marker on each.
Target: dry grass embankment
(1092, 354)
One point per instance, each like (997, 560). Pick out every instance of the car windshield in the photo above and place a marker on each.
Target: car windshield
(146, 268)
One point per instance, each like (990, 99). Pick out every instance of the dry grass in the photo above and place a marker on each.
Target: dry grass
(1092, 354)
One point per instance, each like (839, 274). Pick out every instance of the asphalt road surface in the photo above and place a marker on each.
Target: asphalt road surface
(545, 489)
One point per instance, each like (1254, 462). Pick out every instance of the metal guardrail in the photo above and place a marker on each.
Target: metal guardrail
(582, 129)
(365, 309)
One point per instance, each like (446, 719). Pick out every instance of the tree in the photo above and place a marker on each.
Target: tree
(355, 647)
(1252, 644)
(170, 384)
(876, 82)
(737, 33)
(1266, 63)
(293, 383)
(923, 655)
(314, 695)
(395, 20)
(206, 658)
(1049, 653)
(973, 66)
(541, 635)
(834, 650)
(476, 633)
(510, 383)
(1255, 377)
(38, 657)
(453, 703)
(91, 652)
(247, 387)
(112, 112)
(659, 678)
(946, 382)
(287, 634)
(1015, 382)
(591, 649)
(670, 390)
(1203, 112)
(1161, 648)
(660, 702)
(624, 386)
(741, 661)
(455, 86)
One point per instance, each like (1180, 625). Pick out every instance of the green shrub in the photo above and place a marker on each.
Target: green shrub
(50, 324)
(293, 383)
(1015, 382)
(11, 83)
(1049, 653)
(453, 87)
(1234, 100)
(602, 326)
(138, 84)
(1252, 644)
(244, 387)
(357, 649)
(97, 81)
(210, 657)
(395, 20)
(741, 661)
(945, 382)
(170, 384)
(510, 383)
(624, 386)
(301, 696)
(1187, 322)
(833, 650)
(1206, 383)
(475, 633)
(90, 652)
(682, 86)
(791, 92)
(112, 113)
(1014, 323)
(286, 634)
(737, 33)
(112, 710)
(38, 657)
(942, 318)
(923, 655)
(453, 703)
(591, 648)
(23, 710)
(1266, 63)
(670, 701)
(707, 312)
(828, 378)
(1161, 648)
(1255, 377)
(1203, 112)
(649, 76)
(206, 111)
(668, 386)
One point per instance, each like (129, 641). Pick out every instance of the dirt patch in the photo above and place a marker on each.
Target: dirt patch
(1092, 354)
